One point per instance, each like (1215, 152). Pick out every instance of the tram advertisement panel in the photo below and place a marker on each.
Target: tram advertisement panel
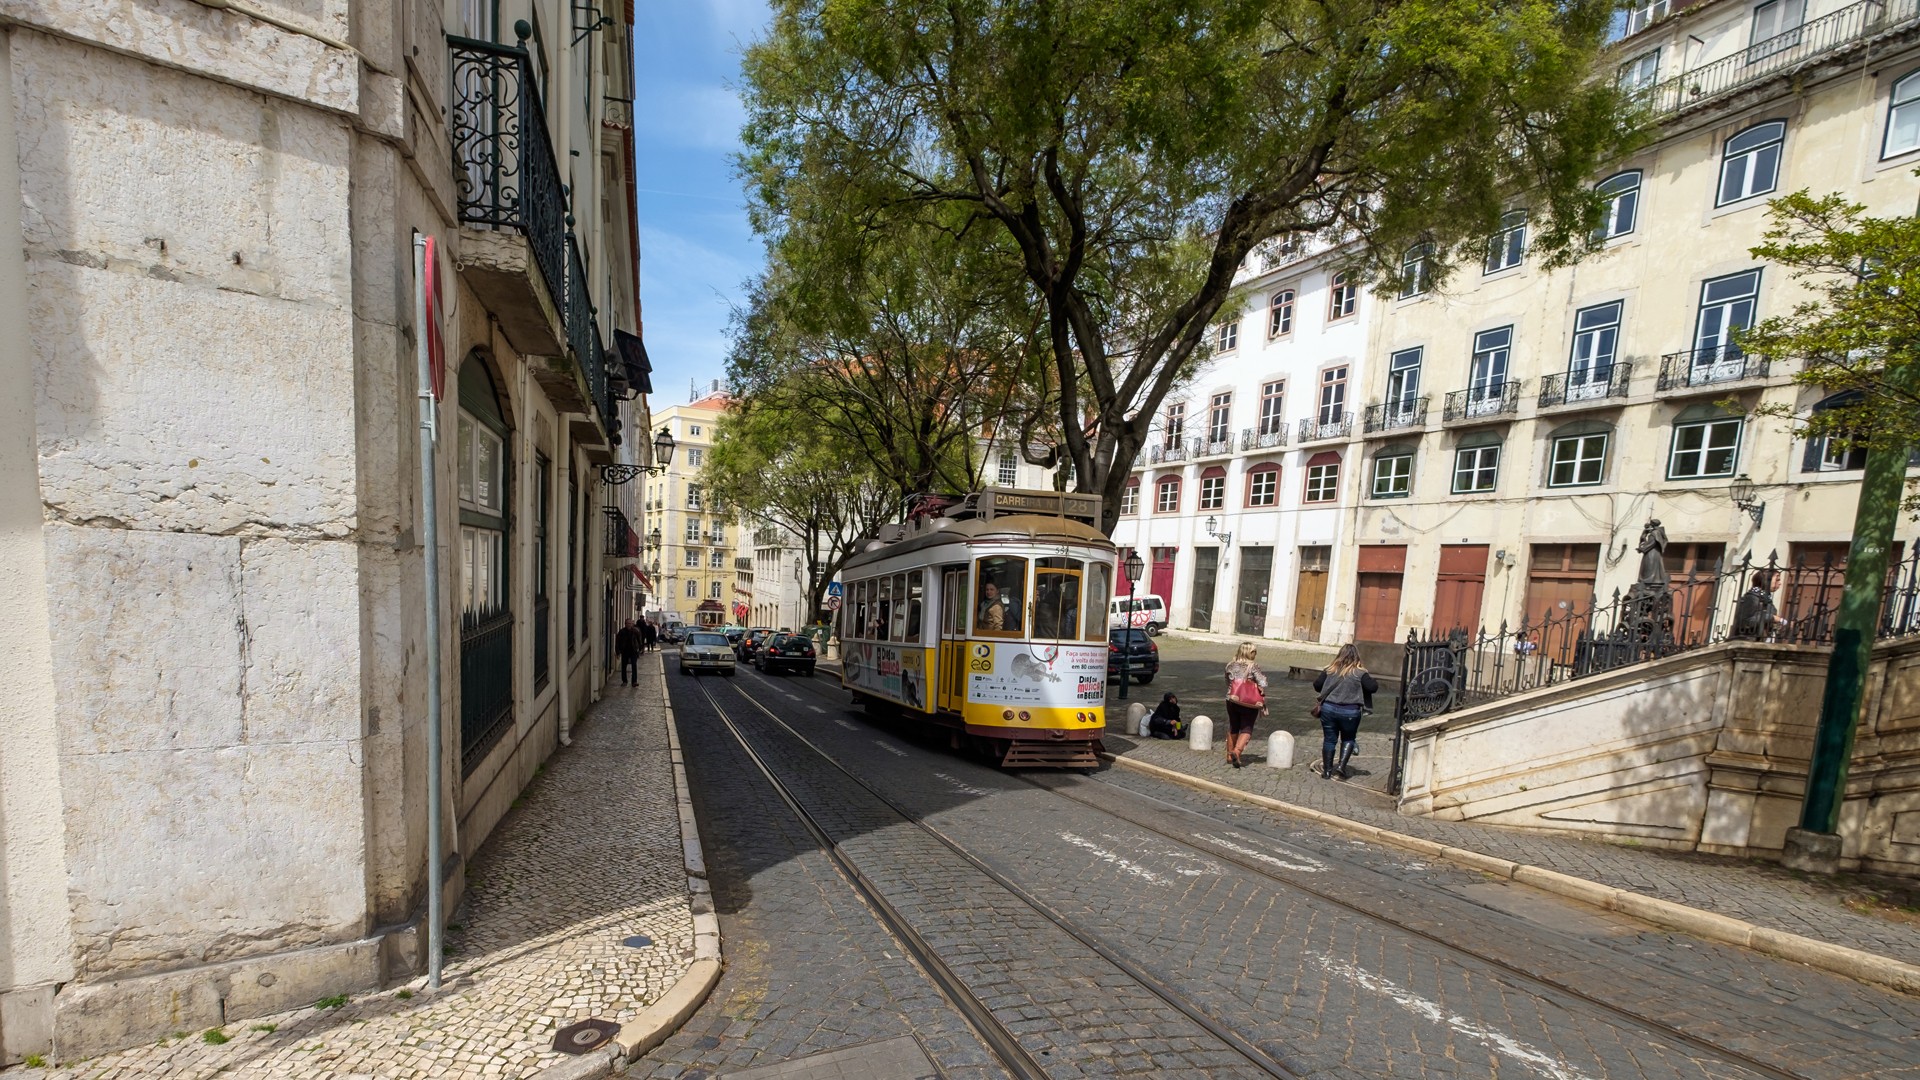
(888, 671)
(1022, 683)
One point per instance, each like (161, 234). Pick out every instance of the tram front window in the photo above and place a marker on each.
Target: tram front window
(1001, 587)
(1056, 598)
(1093, 627)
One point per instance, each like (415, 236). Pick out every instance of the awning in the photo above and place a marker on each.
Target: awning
(633, 356)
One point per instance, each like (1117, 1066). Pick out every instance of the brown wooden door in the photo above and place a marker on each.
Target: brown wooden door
(1376, 602)
(1693, 570)
(1459, 588)
(1310, 593)
(1811, 582)
(1560, 586)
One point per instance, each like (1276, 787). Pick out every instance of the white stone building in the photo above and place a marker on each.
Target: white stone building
(212, 669)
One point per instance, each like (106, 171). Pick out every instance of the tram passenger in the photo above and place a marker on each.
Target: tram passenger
(993, 616)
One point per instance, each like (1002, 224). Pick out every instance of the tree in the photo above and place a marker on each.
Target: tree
(789, 471)
(1859, 336)
(1123, 157)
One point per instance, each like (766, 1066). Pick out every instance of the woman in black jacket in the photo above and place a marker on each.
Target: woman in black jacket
(1165, 721)
(1346, 693)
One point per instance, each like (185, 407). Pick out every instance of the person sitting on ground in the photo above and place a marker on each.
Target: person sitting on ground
(1165, 723)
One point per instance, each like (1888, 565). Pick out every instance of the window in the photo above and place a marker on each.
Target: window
(719, 533)
(693, 589)
(1751, 163)
(1130, 497)
(716, 560)
(1213, 488)
(693, 530)
(1001, 582)
(1403, 383)
(1704, 448)
(1009, 470)
(695, 456)
(1056, 598)
(481, 464)
(1323, 478)
(1487, 381)
(1635, 19)
(1776, 26)
(1263, 485)
(1903, 117)
(1219, 409)
(1727, 305)
(692, 560)
(1280, 310)
(1333, 395)
(693, 429)
(1622, 193)
(1272, 398)
(1596, 334)
(1641, 72)
(1342, 295)
(693, 496)
(1834, 451)
(1475, 469)
(1577, 460)
(1227, 337)
(1508, 246)
(713, 591)
(1416, 270)
(1166, 497)
(1393, 475)
(1176, 425)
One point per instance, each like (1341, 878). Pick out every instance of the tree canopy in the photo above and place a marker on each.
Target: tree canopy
(1108, 165)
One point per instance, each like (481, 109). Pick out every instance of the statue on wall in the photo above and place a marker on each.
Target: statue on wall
(1649, 614)
(1653, 563)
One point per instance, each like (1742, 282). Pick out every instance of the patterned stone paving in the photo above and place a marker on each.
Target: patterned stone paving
(590, 856)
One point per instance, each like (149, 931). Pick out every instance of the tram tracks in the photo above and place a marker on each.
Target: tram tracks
(1639, 1018)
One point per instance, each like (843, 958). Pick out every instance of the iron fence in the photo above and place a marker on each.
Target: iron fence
(486, 682)
(1595, 384)
(1209, 447)
(1710, 366)
(1488, 400)
(1853, 24)
(1170, 450)
(1315, 429)
(504, 170)
(1394, 415)
(1257, 439)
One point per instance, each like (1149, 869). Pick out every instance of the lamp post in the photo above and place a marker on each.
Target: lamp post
(1131, 567)
(1746, 497)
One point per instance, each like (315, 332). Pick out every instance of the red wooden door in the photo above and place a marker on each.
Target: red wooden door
(1162, 575)
(1461, 585)
(1376, 602)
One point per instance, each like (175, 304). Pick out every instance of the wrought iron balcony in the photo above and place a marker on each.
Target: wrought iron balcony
(1395, 415)
(1823, 38)
(743, 563)
(622, 541)
(1314, 429)
(1206, 447)
(1257, 439)
(1488, 401)
(1593, 386)
(618, 113)
(1174, 450)
(1713, 366)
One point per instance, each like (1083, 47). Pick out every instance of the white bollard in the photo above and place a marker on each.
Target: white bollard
(1137, 718)
(1280, 750)
(1200, 734)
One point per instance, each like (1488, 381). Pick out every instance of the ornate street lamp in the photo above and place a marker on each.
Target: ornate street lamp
(1131, 567)
(663, 444)
(1747, 497)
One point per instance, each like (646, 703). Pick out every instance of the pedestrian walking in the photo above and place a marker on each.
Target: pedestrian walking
(1165, 723)
(1246, 700)
(649, 637)
(1346, 692)
(627, 644)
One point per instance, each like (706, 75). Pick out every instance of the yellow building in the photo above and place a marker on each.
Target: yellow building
(692, 568)
(1522, 426)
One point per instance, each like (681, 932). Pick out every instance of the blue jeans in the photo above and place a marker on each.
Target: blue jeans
(1338, 722)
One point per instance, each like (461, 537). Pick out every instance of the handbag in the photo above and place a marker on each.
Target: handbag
(1315, 711)
(1248, 693)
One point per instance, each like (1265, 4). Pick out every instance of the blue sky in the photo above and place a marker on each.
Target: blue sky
(696, 249)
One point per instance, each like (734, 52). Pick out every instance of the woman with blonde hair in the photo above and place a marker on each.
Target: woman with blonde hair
(1346, 693)
(1246, 700)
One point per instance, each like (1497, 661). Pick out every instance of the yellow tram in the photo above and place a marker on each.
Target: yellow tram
(989, 619)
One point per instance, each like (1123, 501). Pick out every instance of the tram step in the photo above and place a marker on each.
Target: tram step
(1050, 755)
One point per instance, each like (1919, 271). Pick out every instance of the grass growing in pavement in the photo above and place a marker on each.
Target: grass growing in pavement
(214, 1037)
(333, 1002)
(266, 1029)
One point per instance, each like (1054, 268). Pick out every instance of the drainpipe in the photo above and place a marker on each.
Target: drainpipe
(430, 533)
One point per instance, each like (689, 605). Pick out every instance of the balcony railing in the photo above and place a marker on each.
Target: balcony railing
(1256, 439)
(583, 327)
(1709, 367)
(622, 541)
(1175, 450)
(1208, 447)
(1811, 41)
(503, 163)
(1594, 384)
(1394, 415)
(618, 113)
(1488, 401)
(1314, 429)
(743, 563)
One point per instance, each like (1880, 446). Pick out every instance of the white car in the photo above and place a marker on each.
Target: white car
(706, 650)
(1149, 613)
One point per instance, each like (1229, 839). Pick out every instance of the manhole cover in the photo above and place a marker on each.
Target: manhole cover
(637, 941)
(584, 1036)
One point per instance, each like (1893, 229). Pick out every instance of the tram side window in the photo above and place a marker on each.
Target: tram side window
(1093, 626)
(916, 597)
(1002, 592)
(883, 613)
(1056, 598)
(899, 632)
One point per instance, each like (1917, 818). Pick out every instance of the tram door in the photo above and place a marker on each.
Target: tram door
(953, 639)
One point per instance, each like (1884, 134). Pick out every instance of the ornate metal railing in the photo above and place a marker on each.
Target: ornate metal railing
(1487, 401)
(1256, 439)
(1204, 447)
(1708, 367)
(1167, 451)
(1851, 25)
(1394, 415)
(1457, 666)
(486, 682)
(542, 642)
(742, 563)
(504, 168)
(1596, 385)
(618, 113)
(1314, 429)
(622, 541)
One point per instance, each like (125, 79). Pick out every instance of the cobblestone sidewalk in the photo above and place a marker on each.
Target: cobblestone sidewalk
(1761, 893)
(591, 855)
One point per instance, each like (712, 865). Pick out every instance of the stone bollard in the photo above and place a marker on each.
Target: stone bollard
(1280, 750)
(1137, 718)
(1200, 734)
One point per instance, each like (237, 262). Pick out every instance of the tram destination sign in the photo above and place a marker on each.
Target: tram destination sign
(1065, 504)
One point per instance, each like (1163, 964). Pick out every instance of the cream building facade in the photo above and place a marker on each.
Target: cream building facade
(1524, 425)
(696, 583)
(213, 790)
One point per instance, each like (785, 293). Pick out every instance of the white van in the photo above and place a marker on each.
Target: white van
(1149, 613)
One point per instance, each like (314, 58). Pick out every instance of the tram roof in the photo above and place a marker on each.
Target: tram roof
(1032, 528)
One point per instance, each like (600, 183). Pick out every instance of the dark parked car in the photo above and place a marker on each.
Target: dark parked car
(750, 643)
(1143, 656)
(786, 652)
(734, 634)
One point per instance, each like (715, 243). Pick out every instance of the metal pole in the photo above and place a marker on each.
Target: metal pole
(1126, 641)
(430, 537)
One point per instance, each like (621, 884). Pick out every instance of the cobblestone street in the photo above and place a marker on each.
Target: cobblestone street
(590, 856)
(1125, 925)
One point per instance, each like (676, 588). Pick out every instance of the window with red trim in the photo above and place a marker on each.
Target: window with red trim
(1166, 495)
(1263, 484)
(1130, 497)
(1213, 488)
(1323, 478)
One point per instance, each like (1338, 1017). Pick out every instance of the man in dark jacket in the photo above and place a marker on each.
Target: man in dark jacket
(627, 644)
(1755, 618)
